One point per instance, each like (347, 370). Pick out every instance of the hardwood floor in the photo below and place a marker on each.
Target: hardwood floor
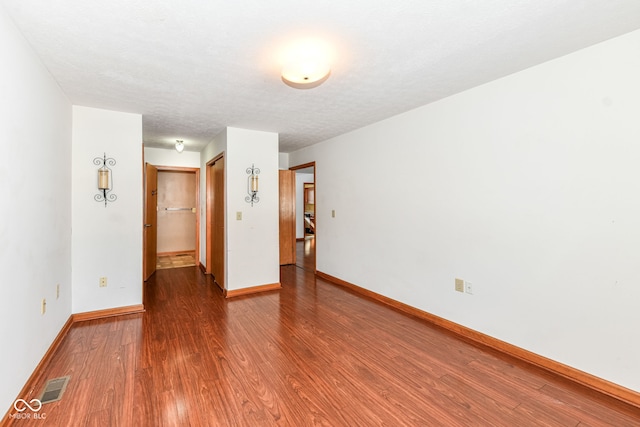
(306, 254)
(309, 354)
(186, 259)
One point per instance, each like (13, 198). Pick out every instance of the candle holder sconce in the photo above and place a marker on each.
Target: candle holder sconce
(105, 179)
(252, 185)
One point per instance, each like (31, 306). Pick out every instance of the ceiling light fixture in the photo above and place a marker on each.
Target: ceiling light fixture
(306, 64)
(306, 74)
(179, 145)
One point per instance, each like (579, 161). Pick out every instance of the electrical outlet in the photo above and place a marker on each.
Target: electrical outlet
(43, 307)
(103, 282)
(58, 291)
(459, 285)
(468, 287)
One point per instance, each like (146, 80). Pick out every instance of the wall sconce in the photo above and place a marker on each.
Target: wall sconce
(252, 185)
(105, 180)
(179, 145)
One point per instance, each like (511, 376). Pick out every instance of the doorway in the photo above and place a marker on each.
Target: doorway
(306, 218)
(178, 226)
(171, 217)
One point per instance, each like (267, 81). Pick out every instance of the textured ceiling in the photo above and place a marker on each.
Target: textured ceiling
(193, 67)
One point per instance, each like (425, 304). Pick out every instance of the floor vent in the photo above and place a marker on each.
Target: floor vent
(53, 390)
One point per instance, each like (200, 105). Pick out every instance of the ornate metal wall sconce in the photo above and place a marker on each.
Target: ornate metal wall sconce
(252, 185)
(105, 180)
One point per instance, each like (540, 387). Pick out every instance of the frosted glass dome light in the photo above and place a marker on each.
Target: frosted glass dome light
(306, 64)
(305, 73)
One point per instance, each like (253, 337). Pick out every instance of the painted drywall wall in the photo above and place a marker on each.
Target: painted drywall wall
(283, 160)
(527, 186)
(107, 241)
(301, 179)
(165, 157)
(252, 244)
(35, 218)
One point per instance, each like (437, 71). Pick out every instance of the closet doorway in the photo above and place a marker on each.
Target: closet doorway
(177, 217)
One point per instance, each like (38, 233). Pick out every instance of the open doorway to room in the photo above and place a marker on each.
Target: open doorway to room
(168, 239)
(306, 224)
(177, 217)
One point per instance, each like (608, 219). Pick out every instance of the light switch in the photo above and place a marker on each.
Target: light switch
(239, 216)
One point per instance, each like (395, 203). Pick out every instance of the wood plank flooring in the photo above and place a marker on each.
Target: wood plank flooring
(311, 354)
(306, 254)
(186, 259)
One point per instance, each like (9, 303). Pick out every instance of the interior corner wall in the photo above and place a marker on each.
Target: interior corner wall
(251, 244)
(253, 255)
(528, 187)
(35, 218)
(170, 157)
(107, 240)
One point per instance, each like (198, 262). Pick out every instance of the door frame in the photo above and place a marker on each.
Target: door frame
(315, 186)
(208, 267)
(197, 199)
(287, 217)
(197, 230)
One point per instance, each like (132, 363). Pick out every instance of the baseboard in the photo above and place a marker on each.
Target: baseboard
(595, 383)
(110, 312)
(202, 268)
(251, 290)
(220, 286)
(27, 391)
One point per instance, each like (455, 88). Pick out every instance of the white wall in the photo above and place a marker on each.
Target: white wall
(301, 179)
(529, 187)
(283, 160)
(107, 241)
(252, 244)
(35, 214)
(169, 157)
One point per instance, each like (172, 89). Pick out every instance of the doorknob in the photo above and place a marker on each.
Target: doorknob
(147, 225)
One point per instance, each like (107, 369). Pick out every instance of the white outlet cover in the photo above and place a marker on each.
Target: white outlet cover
(468, 287)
